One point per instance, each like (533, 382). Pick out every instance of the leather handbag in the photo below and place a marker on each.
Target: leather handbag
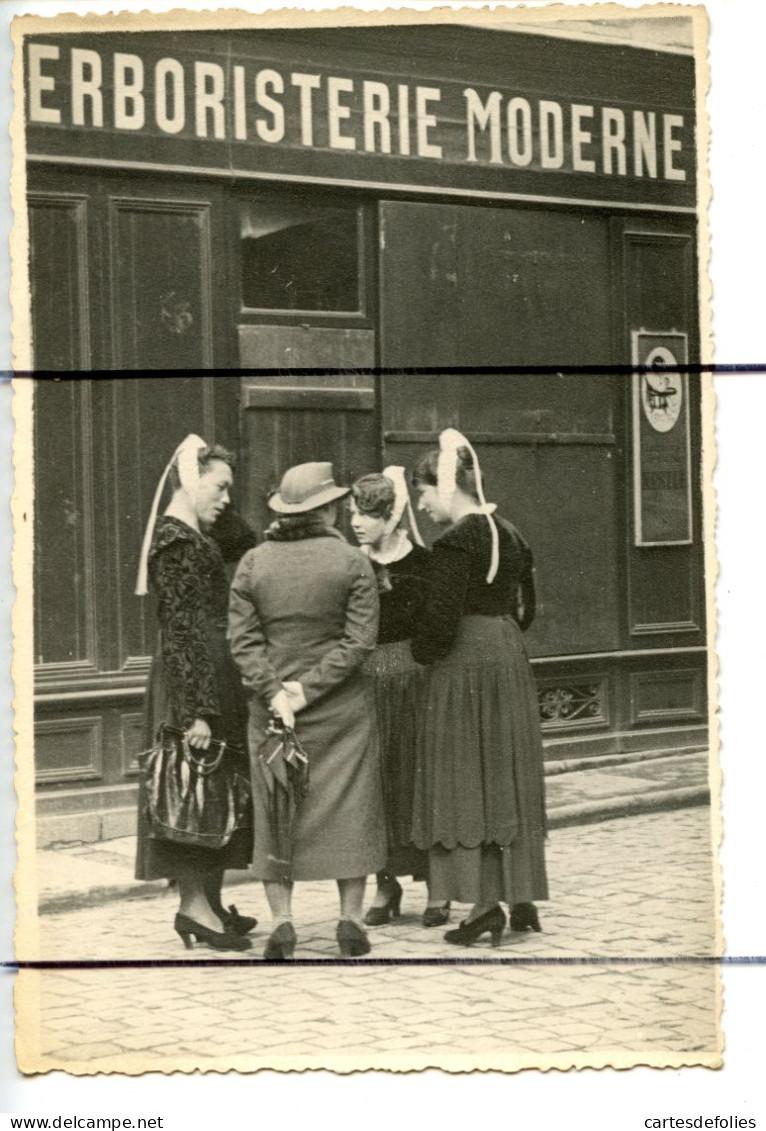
(194, 796)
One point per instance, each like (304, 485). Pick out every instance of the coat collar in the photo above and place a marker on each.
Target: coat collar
(294, 531)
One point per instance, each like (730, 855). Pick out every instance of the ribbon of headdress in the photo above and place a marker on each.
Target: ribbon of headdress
(450, 443)
(185, 456)
(402, 503)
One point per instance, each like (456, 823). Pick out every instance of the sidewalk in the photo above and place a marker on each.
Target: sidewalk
(577, 793)
(621, 970)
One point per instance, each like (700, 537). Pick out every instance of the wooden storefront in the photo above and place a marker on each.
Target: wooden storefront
(303, 210)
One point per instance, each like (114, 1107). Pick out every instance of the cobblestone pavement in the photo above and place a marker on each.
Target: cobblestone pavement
(636, 888)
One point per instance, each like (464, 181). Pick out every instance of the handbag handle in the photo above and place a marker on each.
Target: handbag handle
(198, 762)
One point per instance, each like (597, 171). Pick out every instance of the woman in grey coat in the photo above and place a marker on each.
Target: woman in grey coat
(303, 618)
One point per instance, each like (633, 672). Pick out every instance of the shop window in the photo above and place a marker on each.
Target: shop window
(298, 255)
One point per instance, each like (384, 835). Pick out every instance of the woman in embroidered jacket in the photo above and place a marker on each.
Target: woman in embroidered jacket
(479, 799)
(303, 618)
(193, 684)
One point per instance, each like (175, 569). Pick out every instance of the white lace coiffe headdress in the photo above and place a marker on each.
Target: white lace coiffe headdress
(186, 458)
(401, 503)
(450, 443)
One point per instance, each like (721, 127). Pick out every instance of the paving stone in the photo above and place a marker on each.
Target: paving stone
(90, 1051)
(611, 897)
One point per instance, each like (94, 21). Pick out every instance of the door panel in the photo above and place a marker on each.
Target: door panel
(480, 286)
(305, 347)
(130, 272)
(160, 266)
(665, 598)
(65, 567)
(290, 424)
(562, 497)
(58, 267)
(491, 286)
(419, 302)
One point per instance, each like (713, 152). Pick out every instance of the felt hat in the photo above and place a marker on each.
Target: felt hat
(305, 488)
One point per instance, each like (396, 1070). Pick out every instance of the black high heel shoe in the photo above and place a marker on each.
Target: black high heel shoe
(237, 924)
(493, 921)
(524, 917)
(352, 940)
(436, 916)
(190, 929)
(377, 916)
(281, 943)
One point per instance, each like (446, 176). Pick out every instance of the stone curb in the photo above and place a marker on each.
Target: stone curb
(628, 805)
(554, 767)
(561, 817)
(95, 897)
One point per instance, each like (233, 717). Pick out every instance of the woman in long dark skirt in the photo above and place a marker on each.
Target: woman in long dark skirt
(194, 684)
(479, 806)
(378, 504)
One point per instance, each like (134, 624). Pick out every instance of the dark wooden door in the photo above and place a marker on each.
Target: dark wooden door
(618, 643)
(306, 328)
(129, 273)
(655, 263)
(125, 273)
(465, 287)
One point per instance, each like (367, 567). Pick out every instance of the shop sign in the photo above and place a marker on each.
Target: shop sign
(661, 440)
(175, 106)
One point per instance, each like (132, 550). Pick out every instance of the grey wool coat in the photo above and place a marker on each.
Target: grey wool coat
(307, 609)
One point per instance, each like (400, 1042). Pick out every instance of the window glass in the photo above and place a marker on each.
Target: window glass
(299, 255)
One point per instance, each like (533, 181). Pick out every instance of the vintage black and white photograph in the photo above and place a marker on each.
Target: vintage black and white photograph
(363, 642)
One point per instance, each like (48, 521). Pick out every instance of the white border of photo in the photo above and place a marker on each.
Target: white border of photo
(575, 1100)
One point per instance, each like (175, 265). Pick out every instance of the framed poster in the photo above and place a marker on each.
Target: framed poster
(661, 440)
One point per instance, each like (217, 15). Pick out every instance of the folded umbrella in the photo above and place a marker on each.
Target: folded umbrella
(284, 766)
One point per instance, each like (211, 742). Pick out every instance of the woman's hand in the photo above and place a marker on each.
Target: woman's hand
(199, 734)
(295, 694)
(280, 705)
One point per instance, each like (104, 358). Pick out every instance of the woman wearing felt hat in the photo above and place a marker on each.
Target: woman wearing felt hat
(303, 618)
(479, 807)
(193, 684)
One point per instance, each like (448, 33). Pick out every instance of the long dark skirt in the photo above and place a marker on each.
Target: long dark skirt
(479, 805)
(398, 682)
(165, 859)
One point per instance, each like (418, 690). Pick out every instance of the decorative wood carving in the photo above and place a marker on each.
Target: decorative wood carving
(578, 702)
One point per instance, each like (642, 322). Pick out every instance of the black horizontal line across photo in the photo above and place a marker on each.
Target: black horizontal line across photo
(717, 369)
(162, 963)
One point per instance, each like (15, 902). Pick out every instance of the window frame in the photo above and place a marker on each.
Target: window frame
(361, 318)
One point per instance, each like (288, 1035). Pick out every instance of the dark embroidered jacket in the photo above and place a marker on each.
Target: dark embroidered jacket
(457, 584)
(188, 575)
